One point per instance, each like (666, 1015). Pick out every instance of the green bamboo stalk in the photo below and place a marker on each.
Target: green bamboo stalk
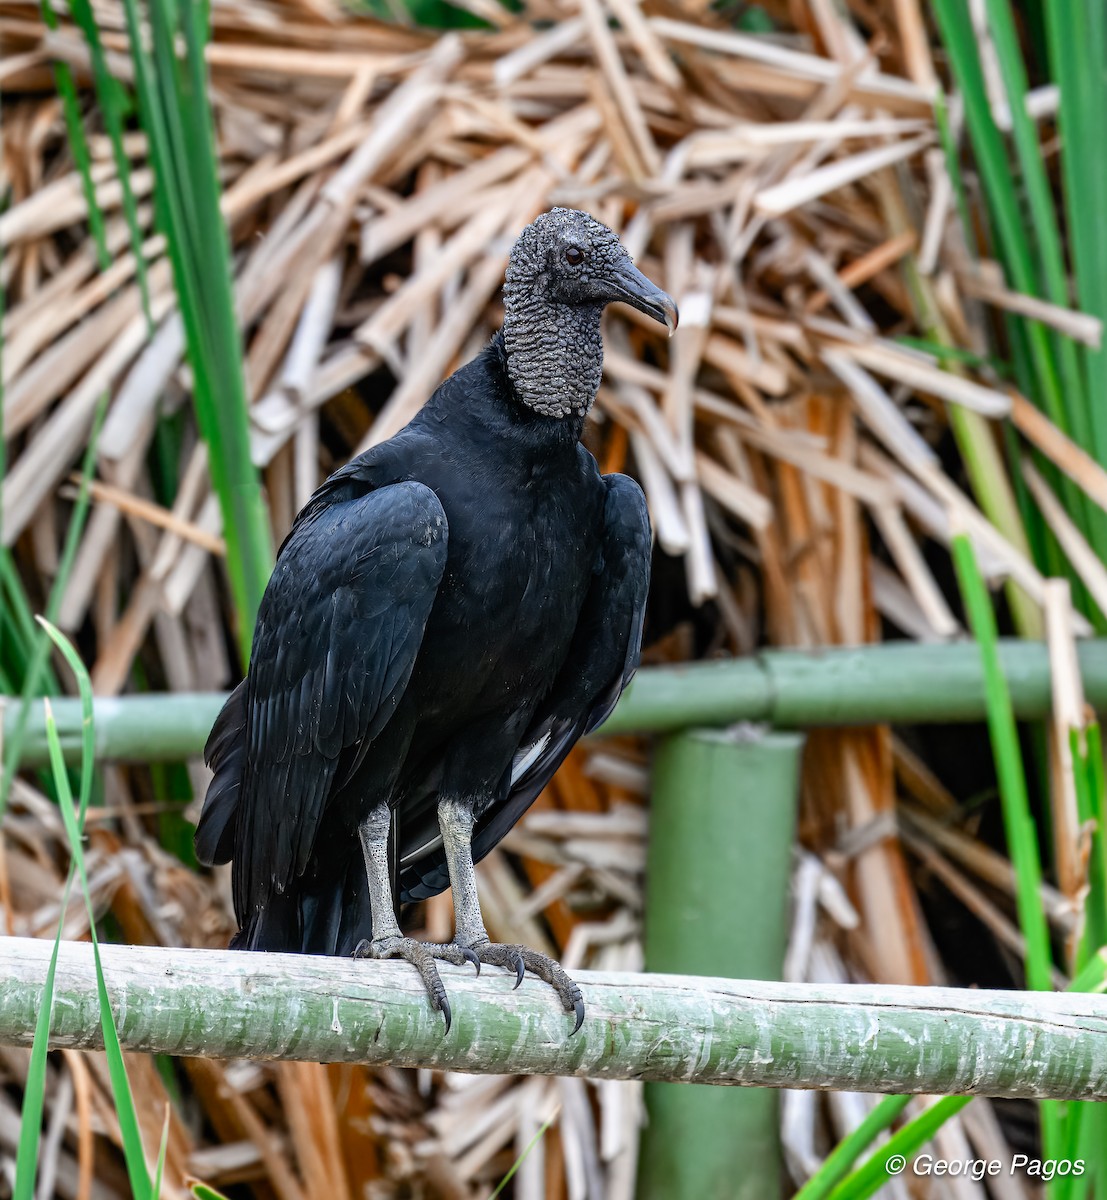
(231, 1004)
(722, 811)
(897, 683)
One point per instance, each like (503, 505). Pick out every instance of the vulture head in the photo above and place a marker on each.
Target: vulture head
(565, 267)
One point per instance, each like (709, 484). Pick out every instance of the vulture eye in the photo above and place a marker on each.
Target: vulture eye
(574, 256)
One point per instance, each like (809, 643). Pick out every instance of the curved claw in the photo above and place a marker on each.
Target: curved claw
(578, 1008)
(469, 956)
(444, 1005)
(520, 971)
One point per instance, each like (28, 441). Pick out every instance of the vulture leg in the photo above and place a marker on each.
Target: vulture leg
(388, 941)
(456, 820)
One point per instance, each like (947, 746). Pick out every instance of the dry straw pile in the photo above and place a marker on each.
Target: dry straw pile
(790, 193)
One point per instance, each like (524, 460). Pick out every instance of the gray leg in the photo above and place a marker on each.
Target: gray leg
(455, 819)
(373, 834)
(388, 940)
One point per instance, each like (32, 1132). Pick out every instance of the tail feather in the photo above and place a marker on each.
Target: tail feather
(225, 753)
(326, 910)
(318, 916)
(276, 928)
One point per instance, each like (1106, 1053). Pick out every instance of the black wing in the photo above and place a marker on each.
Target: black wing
(602, 659)
(338, 632)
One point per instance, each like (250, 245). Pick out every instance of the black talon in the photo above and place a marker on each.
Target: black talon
(578, 1008)
(469, 956)
(444, 1007)
(520, 971)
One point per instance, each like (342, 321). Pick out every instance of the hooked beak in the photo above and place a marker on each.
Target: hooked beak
(632, 287)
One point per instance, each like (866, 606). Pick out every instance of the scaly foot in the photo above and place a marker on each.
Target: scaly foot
(521, 959)
(422, 957)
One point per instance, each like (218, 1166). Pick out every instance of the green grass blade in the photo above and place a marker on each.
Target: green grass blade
(1043, 212)
(37, 668)
(109, 95)
(37, 662)
(1076, 36)
(1021, 833)
(67, 90)
(30, 1127)
(162, 1150)
(176, 114)
(1022, 838)
(995, 171)
(1085, 1131)
(873, 1174)
(846, 1153)
(1092, 977)
(1061, 396)
(1087, 760)
(133, 1152)
(203, 1192)
(984, 463)
(88, 730)
(523, 1157)
(34, 1091)
(16, 605)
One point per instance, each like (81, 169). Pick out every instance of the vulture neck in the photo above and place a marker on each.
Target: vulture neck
(554, 352)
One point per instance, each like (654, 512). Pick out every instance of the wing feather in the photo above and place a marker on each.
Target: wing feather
(602, 659)
(338, 633)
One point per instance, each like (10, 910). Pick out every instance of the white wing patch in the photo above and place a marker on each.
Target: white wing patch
(525, 759)
(425, 848)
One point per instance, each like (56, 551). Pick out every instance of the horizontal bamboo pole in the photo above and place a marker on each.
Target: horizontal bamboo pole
(228, 1004)
(902, 682)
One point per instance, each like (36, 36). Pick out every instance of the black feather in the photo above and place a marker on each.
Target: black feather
(462, 593)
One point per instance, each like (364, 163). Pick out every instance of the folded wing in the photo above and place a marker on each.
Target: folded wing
(601, 662)
(337, 637)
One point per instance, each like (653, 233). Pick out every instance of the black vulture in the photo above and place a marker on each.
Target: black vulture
(450, 612)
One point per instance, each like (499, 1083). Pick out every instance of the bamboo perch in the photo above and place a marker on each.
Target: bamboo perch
(728, 915)
(228, 1004)
(899, 682)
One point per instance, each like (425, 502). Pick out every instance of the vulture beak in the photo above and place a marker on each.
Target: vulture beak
(632, 287)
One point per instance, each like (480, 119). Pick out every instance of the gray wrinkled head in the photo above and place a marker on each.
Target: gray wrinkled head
(564, 268)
